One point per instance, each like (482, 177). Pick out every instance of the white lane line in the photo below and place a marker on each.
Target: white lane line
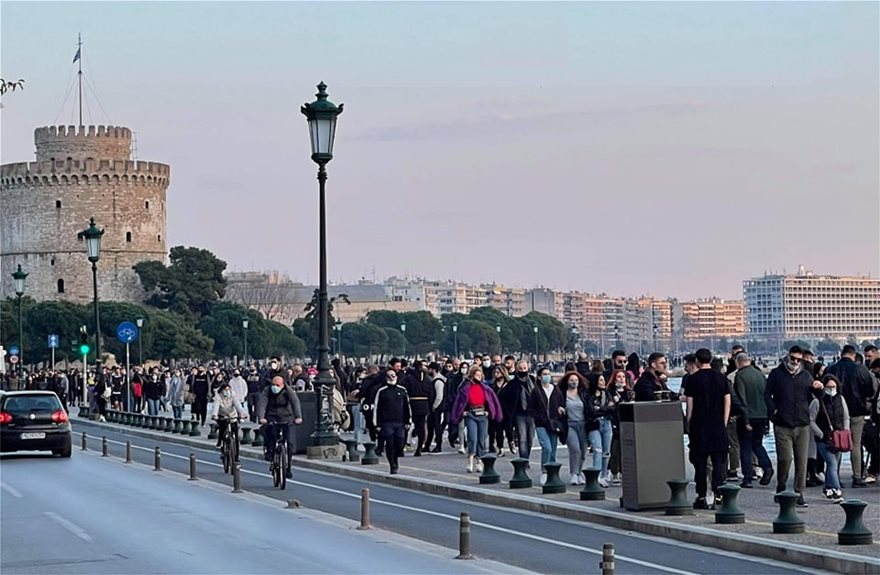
(70, 526)
(10, 490)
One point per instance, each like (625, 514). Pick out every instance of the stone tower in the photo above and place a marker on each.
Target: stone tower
(81, 174)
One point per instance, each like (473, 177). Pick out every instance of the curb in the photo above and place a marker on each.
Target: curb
(828, 560)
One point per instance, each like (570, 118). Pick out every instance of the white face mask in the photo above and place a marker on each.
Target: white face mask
(487, 363)
(464, 371)
(831, 392)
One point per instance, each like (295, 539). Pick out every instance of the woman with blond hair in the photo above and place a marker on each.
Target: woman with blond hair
(477, 404)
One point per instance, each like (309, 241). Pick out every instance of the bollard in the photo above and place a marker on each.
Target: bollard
(258, 439)
(169, 425)
(192, 467)
(195, 430)
(489, 476)
(103, 447)
(128, 451)
(138, 419)
(213, 432)
(236, 478)
(464, 537)
(607, 562)
(554, 483)
(351, 449)
(109, 416)
(185, 426)
(729, 513)
(123, 418)
(176, 428)
(678, 503)
(84, 441)
(149, 422)
(365, 509)
(592, 491)
(157, 460)
(521, 479)
(854, 531)
(787, 521)
(370, 457)
(247, 436)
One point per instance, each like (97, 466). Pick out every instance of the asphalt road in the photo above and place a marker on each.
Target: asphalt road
(522, 539)
(94, 515)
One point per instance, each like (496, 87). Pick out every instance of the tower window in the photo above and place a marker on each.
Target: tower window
(159, 238)
(58, 204)
(147, 204)
(52, 262)
(128, 237)
(60, 286)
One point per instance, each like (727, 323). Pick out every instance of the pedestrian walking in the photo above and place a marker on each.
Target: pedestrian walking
(599, 429)
(392, 418)
(749, 385)
(578, 415)
(857, 388)
(829, 418)
(520, 390)
(476, 404)
(547, 407)
(200, 389)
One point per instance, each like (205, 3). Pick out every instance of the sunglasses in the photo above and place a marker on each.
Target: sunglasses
(795, 359)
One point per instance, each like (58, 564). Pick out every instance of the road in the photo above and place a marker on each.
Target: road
(527, 540)
(94, 515)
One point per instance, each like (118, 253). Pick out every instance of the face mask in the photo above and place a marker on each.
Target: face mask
(464, 371)
(620, 385)
(273, 365)
(572, 384)
(522, 374)
(487, 363)
(392, 381)
(227, 394)
(276, 390)
(545, 379)
(831, 392)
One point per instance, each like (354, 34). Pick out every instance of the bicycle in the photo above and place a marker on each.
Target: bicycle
(230, 449)
(281, 460)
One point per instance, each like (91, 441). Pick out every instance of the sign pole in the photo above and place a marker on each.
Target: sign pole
(85, 380)
(53, 359)
(127, 377)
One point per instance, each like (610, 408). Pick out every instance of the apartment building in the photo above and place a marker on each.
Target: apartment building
(711, 318)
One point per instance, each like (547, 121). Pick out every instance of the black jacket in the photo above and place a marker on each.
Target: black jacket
(788, 397)
(420, 389)
(545, 411)
(281, 407)
(648, 384)
(391, 406)
(856, 385)
(520, 391)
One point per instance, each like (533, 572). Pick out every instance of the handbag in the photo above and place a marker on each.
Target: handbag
(108, 391)
(840, 441)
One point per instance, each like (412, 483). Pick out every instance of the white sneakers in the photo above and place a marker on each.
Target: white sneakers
(470, 466)
(543, 478)
(478, 466)
(462, 450)
(575, 480)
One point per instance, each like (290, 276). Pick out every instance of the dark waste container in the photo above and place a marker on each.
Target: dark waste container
(304, 431)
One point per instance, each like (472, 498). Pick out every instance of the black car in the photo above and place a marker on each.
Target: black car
(33, 421)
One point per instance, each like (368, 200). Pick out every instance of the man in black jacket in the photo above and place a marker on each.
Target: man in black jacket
(788, 395)
(420, 389)
(857, 388)
(652, 380)
(278, 406)
(392, 417)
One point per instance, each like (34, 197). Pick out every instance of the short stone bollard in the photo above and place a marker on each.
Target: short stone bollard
(192, 467)
(554, 483)
(157, 459)
(678, 503)
(185, 426)
(370, 457)
(195, 429)
(84, 443)
(521, 479)
(126, 418)
(351, 449)
(176, 428)
(592, 491)
(258, 438)
(729, 513)
(153, 422)
(464, 537)
(104, 447)
(213, 432)
(247, 436)
(489, 475)
(365, 509)
(854, 531)
(111, 416)
(787, 522)
(169, 424)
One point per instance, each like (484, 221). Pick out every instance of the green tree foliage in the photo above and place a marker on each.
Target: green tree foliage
(363, 339)
(828, 345)
(188, 286)
(265, 338)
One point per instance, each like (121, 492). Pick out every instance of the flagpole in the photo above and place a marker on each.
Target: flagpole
(80, 75)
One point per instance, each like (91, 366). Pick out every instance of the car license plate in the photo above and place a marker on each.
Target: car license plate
(33, 436)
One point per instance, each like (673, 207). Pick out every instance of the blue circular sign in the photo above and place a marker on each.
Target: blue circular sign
(126, 332)
(13, 350)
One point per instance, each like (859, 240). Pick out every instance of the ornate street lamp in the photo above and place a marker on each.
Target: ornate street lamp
(140, 323)
(338, 327)
(455, 337)
(403, 331)
(244, 325)
(18, 278)
(535, 329)
(500, 345)
(321, 116)
(92, 236)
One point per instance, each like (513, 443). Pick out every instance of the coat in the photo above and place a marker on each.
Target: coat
(461, 400)
(175, 392)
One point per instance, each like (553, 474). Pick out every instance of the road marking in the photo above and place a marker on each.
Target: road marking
(70, 526)
(10, 490)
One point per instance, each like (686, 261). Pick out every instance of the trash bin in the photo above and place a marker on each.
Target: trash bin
(308, 403)
(651, 452)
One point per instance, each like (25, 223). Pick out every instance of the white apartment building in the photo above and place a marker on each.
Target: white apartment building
(805, 306)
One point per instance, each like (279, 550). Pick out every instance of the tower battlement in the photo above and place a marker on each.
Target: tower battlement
(79, 143)
(63, 172)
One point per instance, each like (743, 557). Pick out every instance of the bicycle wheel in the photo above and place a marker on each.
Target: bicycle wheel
(277, 473)
(224, 455)
(285, 461)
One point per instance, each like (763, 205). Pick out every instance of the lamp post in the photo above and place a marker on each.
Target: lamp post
(18, 277)
(535, 329)
(455, 338)
(403, 331)
(244, 328)
(92, 235)
(500, 345)
(655, 337)
(321, 116)
(140, 323)
(338, 327)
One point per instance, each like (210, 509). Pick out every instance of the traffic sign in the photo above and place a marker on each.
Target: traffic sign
(13, 350)
(53, 341)
(126, 332)
(13, 360)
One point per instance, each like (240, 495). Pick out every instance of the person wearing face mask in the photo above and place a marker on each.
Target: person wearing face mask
(253, 392)
(788, 394)
(520, 391)
(620, 393)
(504, 428)
(450, 391)
(603, 406)
(547, 407)
(392, 417)
(278, 405)
(201, 386)
(273, 370)
(153, 390)
(829, 413)
(226, 408)
(476, 404)
(578, 409)
(174, 397)
(239, 388)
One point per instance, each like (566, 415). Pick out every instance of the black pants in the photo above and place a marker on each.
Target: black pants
(435, 430)
(719, 470)
(497, 432)
(223, 429)
(393, 436)
(269, 434)
(252, 399)
(420, 429)
(452, 428)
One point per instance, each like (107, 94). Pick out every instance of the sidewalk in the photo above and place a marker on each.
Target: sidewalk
(444, 474)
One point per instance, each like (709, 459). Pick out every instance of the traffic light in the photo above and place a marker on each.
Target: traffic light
(84, 349)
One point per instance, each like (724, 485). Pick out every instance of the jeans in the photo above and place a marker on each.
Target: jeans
(792, 443)
(393, 436)
(752, 442)
(153, 406)
(358, 422)
(548, 441)
(577, 446)
(600, 441)
(525, 431)
(477, 433)
(177, 411)
(832, 464)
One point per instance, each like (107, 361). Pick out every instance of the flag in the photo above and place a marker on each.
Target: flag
(75, 58)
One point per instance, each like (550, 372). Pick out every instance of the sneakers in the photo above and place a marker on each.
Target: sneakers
(478, 466)
(603, 483)
(616, 478)
(501, 452)
(871, 479)
(701, 503)
(574, 479)
(767, 476)
(814, 482)
(837, 496)
(470, 466)
(462, 450)
(543, 478)
(857, 483)
(581, 479)
(828, 493)
(436, 450)
(801, 502)
(746, 485)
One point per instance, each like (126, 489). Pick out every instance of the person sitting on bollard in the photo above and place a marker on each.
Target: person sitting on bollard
(392, 417)
(829, 413)
(226, 408)
(547, 407)
(476, 403)
(278, 405)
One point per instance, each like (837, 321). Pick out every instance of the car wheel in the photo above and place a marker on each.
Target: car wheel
(65, 452)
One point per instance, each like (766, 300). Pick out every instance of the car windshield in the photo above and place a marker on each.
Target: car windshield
(31, 403)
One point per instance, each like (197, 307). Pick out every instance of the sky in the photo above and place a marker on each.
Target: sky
(668, 149)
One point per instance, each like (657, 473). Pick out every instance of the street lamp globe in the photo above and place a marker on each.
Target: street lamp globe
(535, 329)
(92, 235)
(18, 277)
(321, 115)
(245, 323)
(403, 327)
(455, 327)
(140, 322)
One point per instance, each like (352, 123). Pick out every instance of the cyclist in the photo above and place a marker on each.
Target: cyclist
(226, 408)
(278, 405)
